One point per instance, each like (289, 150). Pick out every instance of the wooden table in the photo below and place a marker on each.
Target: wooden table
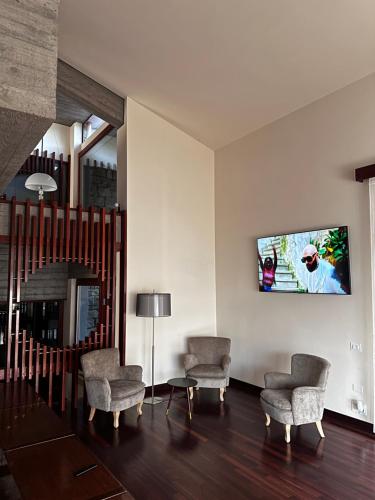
(26, 425)
(41, 455)
(47, 471)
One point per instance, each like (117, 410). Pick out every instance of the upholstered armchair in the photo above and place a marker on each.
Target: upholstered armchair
(109, 386)
(297, 398)
(208, 362)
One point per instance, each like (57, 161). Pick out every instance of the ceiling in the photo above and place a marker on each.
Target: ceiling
(219, 69)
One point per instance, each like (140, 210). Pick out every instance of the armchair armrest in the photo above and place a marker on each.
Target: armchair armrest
(307, 404)
(98, 393)
(276, 380)
(225, 362)
(190, 360)
(131, 372)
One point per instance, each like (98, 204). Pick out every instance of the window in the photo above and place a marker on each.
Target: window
(98, 172)
(90, 126)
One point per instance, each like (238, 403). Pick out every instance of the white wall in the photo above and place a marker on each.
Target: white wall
(298, 174)
(56, 139)
(170, 208)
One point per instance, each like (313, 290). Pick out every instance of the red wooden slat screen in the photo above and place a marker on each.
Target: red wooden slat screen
(37, 237)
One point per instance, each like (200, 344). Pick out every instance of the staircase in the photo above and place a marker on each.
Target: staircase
(285, 280)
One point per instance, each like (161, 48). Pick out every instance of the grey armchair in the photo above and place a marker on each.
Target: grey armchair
(109, 386)
(297, 398)
(208, 362)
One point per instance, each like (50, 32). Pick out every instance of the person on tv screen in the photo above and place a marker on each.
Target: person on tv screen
(268, 270)
(322, 276)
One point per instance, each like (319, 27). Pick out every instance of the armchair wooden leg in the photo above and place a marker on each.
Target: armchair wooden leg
(287, 433)
(191, 393)
(221, 393)
(320, 428)
(268, 420)
(92, 413)
(139, 408)
(116, 415)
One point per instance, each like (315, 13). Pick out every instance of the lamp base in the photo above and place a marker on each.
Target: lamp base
(153, 401)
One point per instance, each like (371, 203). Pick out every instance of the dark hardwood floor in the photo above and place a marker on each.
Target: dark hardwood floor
(227, 453)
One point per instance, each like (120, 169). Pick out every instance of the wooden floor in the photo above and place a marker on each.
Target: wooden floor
(227, 453)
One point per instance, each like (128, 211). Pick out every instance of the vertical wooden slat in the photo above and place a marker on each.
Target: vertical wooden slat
(108, 264)
(107, 328)
(123, 277)
(31, 353)
(61, 240)
(34, 245)
(19, 265)
(63, 380)
(79, 229)
(54, 231)
(44, 361)
(112, 273)
(61, 179)
(41, 233)
(52, 173)
(23, 355)
(11, 262)
(50, 378)
(101, 336)
(85, 243)
(73, 230)
(97, 248)
(48, 240)
(67, 232)
(26, 246)
(67, 180)
(37, 367)
(92, 236)
(58, 361)
(15, 365)
(102, 243)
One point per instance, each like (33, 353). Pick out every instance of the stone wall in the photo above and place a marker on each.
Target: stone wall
(100, 186)
(48, 283)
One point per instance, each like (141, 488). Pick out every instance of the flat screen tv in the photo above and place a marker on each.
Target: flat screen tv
(308, 262)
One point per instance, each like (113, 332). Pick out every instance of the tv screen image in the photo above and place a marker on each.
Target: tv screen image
(306, 262)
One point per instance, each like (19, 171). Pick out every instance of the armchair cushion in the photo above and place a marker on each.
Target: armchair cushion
(225, 363)
(276, 380)
(279, 398)
(307, 404)
(130, 372)
(121, 389)
(98, 392)
(190, 360)
(207, 371)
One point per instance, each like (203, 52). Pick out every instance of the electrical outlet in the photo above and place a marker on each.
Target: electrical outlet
(357, 388)
(359, 406)
(355, 347)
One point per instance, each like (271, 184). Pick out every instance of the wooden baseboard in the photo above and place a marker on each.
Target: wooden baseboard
(159, 389)
(331, 416)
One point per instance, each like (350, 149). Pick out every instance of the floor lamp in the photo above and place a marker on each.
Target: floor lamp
(153, 305)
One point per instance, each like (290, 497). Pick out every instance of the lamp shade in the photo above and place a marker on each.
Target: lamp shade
(40, 182)
(153, 305)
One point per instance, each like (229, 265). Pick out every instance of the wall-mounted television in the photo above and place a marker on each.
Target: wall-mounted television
(306, 262)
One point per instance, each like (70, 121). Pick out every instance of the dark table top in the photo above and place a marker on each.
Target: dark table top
(182, 382)
(47, 470)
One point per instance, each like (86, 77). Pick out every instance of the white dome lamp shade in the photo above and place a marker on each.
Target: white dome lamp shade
(41, 183)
